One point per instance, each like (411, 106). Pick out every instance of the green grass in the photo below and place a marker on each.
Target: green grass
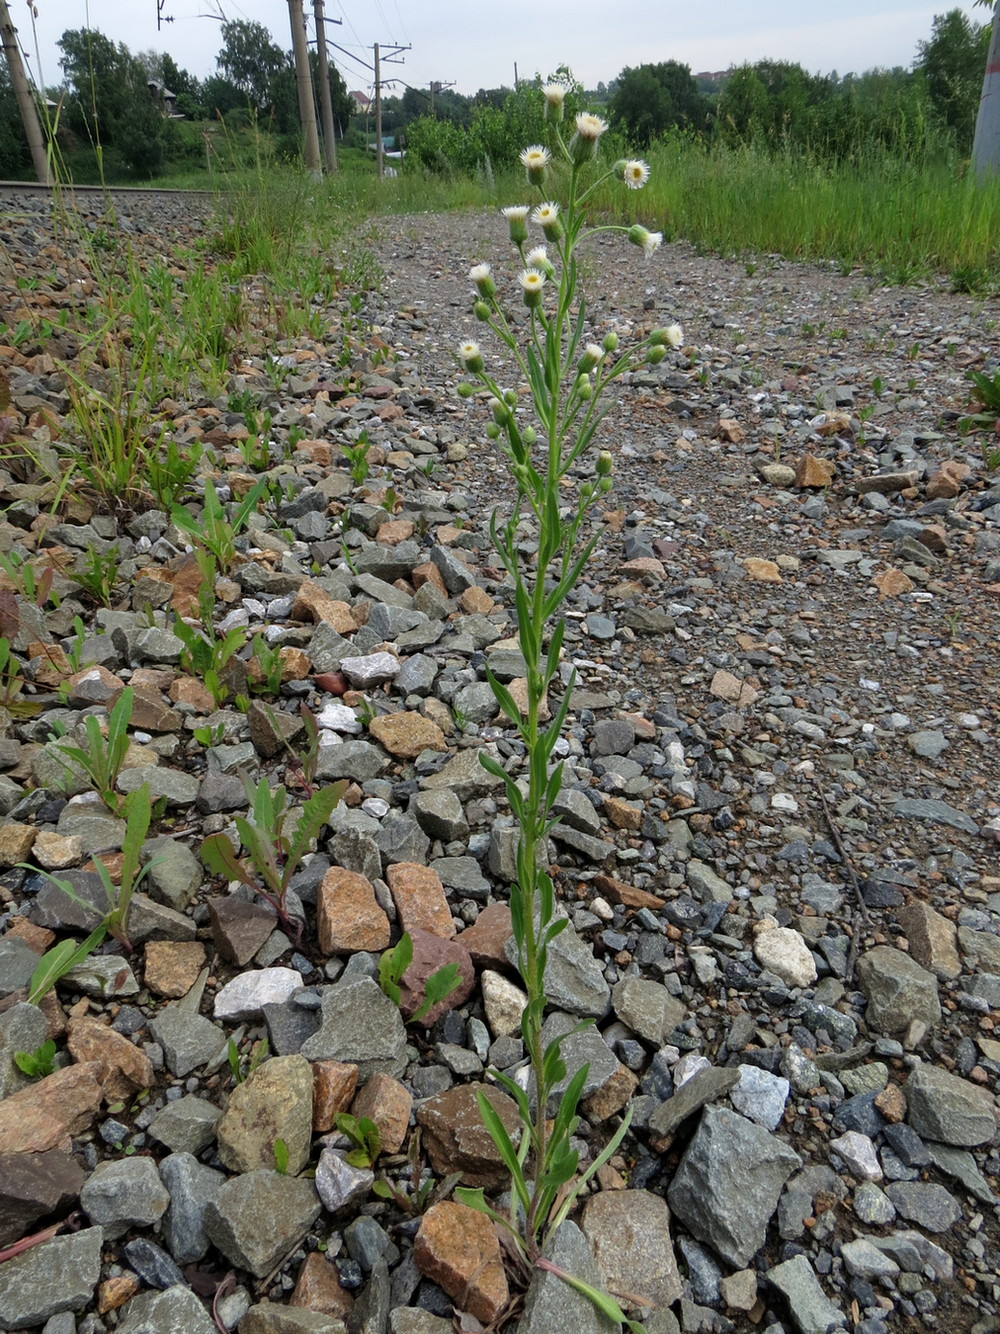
(898, 221)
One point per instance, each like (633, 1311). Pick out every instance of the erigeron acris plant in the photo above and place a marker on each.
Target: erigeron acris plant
(568, 378)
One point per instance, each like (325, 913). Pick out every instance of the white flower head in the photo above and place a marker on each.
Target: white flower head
(535, 160)
(517, 218)
(532, 281)
(674, 335)
(555, 95)
(641, 236)
(589, 126)
(635, 173)
(592, 356)
(538, 258)
(547, 217)
(470, 356)
(481, 275)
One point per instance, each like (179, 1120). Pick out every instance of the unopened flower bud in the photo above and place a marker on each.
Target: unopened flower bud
(611, 342)
(655, 355)
(592, 354)
(529, 435)
(604, 486)
(583, 386)
(604, 462)
(492, 431)
(481, 311)
(466, 390)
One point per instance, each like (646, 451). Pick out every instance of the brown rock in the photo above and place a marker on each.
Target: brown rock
(486, 937)
(318, 1287)
(45, 1115)
(762, 571)
(946, 483)
(892, 583)
(933, 940)
(428, 573)
(813, 472)
(617, 891)
(457, 1248)
(334, 1083)
(16, 842)
(405, 735)
(55, 852)
(518, 689)
(172, 966)
(94, 685)
(124, 1067)
(313, 603)
(38, 938)
(644, 567)
(239, 928)
(34, 1185)
(730, 430)
(185, 576)
(387, 1102)
(420, 899)
(430, 953)
(188, 690)
(934, 538)
(151, 714)
(295, 664)
(115, 1292)
(611, 1097)
(891, 1102)
(726, 686)
(394, 531)
(476, 599)
(622, 814)
(456, 1139)
(348, 916)
(886, 483)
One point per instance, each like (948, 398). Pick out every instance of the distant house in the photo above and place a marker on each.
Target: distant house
(361, 100)
(167, 100)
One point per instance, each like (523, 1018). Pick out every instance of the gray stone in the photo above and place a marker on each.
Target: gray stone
(925, 1203)
(401, 839)
(574, 980)
(898, 990)
(338, 1183)
(760, 1095)
(170, 785)
(155, 921)
(370, 1314)
(647, 1008)
(629, 1234)
(360, 1024)
(357, 760)
(57, 1275)
(727, 1185)
(579, 1049)
(453, 570)
(157, 645)
(463, 874)
(912, 1250)
(275, 1318)
(864, 1260)
(417, 675)
(166, 1312)
(872, 1205)
(17, 963)
(22, 1028)
(550, 1304)
(188, 1040)
(811, 1309)
(247, 994)
(476, 703)
(370, 670)
(928, 745)
(191, 1185)
(124, 1193)
(414, 1320)
(187, 1125)
(936, 812)
(703, 882)
(703, 1087)
(440, 815)
(942, 1106)
(463, 775)
(103, 976)
(256, 1218)
(175, 874)
(961, 1165)
(576, 811)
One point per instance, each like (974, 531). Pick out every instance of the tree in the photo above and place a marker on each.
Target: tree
(251, 60)
(653, 98)
(14, 155)
(951, 62)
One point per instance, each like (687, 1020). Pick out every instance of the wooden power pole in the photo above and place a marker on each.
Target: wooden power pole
(394, 53)
(325, 101)
(25, 98)
(303, 80)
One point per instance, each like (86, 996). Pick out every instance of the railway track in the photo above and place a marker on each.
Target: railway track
(135, 193)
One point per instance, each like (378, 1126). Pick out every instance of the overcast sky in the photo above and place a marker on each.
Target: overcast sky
(476, 45)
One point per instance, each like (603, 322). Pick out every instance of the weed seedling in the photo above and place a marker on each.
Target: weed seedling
(394, 963)
(102, 758)
(363, 1134)
(38, 1063)
(357, 457)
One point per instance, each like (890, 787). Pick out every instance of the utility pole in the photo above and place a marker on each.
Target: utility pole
(986, 144)
(325, 101)
(393, 58)
(437, 87)
(25, 99)
(303, 81)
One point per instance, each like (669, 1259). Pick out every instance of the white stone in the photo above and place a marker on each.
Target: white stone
(858, 1152)
(503, 1002)
(687, 1067)
(243, 997)
(785, 953)
(760, 1095)
(338, 718)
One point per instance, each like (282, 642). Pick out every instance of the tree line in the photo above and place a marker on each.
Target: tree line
(105, 99)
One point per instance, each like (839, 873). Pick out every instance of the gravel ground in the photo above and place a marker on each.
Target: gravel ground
(777, 848)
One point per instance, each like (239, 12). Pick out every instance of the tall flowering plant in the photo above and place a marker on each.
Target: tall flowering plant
(568, 377)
